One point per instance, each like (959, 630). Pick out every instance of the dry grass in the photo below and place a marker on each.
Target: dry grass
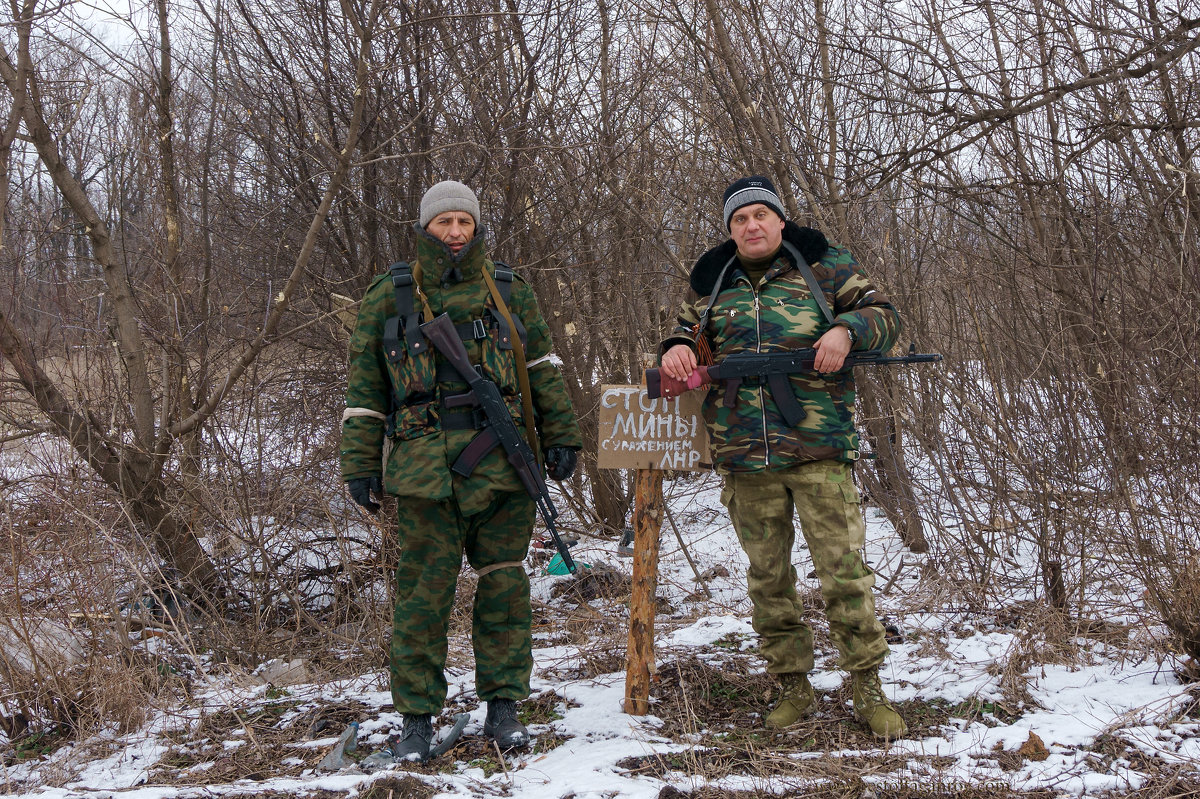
(319, 793)
(1177, 782)
(265, 736)
(599, 582)
(589, 618)
(855, 788)
(399, 788)
(715, 707)
(67, 666)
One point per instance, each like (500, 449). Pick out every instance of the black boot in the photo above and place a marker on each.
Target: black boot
(413, 744)
(502, 725)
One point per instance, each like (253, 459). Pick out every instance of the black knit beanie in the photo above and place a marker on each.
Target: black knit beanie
(748, 191)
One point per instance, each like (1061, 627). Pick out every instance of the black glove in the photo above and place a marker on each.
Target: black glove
(560, 462)
(361, 488)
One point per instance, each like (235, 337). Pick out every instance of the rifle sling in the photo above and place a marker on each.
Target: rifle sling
(522, 369)
(785, 399)
(780, 389)
(702, 325)
(805, 271)
(484, 442)
(813, 286)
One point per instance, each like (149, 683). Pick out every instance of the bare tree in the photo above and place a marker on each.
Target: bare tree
(132, 453)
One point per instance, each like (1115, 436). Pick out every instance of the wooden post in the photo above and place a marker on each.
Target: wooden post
(647, 521)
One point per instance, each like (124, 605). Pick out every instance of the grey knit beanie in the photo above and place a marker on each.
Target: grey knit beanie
(449, 195)
(748, 191)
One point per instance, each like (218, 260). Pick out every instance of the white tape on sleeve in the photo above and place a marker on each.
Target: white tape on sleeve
(351, 413)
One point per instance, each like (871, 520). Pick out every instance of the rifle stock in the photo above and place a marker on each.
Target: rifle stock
(444, 338)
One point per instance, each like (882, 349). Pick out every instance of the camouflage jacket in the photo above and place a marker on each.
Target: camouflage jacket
(394, 407)
(780, 313)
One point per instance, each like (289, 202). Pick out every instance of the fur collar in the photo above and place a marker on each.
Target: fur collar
(811, 243)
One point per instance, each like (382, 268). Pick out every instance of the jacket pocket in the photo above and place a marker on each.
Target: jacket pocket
(416, 467)
(499, 365)
(414, 421)
(412, 376)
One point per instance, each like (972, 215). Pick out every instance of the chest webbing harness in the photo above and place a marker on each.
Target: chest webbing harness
(402, 337)
(402, 333)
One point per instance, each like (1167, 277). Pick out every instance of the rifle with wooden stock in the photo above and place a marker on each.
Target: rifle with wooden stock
(773, 369)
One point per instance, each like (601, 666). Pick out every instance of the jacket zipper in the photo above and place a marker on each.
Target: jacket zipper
(762, 400)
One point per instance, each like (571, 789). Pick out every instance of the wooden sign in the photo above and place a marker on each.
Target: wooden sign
(637, 432)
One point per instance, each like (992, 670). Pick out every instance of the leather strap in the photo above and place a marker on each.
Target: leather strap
(522, 369)
(475, 451)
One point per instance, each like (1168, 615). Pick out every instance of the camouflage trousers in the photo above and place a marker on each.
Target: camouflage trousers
(433, 537)
(823, 495)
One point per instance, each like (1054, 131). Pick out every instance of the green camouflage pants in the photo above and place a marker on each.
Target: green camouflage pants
(823, 495)
(433, 537)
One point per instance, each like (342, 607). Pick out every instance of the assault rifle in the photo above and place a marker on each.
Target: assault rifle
(500, 429)
(773, 368)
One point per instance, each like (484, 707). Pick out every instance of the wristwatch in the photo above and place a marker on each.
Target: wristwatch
(853, 335)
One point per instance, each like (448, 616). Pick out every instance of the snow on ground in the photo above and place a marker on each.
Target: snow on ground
(1104, 692)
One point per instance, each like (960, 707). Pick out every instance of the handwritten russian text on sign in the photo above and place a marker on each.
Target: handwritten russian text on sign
(637, 432)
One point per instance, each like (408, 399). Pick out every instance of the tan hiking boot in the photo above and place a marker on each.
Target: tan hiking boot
(795, 702)
(873, 707)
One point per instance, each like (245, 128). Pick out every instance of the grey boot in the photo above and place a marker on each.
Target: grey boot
(503, 726)
(413, 744)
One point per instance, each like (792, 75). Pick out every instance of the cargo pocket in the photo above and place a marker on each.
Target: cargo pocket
(415, 465)
(855, 527)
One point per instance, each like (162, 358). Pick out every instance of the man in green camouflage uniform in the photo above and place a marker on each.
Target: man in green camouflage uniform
(408, 418)
(761, 302)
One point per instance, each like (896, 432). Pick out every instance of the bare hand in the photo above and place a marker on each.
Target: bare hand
(832, 349)
(679, 362)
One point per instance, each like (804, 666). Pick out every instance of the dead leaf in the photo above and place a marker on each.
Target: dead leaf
(1033, 749)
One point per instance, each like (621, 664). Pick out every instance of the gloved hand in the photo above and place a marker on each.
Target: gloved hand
(560, 462)
(361, 489)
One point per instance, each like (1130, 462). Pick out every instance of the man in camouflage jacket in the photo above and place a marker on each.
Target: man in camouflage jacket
(761, 302)
(399, 436)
